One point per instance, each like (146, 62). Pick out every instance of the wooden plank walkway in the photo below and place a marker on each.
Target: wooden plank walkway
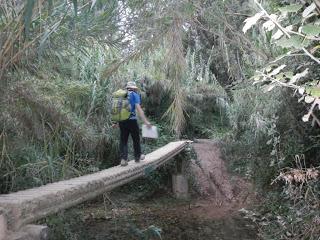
(27, 206)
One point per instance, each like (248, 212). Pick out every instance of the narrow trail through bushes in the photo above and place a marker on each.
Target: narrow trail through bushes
(212, 214)
(221, 193)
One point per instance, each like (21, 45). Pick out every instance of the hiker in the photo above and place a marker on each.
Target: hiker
(128, 124)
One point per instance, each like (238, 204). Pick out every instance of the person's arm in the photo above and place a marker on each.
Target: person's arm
(142, 115)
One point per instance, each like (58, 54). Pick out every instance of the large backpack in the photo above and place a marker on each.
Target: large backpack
(121, 109)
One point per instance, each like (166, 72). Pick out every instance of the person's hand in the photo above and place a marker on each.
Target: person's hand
(114, 125)
(148, 124)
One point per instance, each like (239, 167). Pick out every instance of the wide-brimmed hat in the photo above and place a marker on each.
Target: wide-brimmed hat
(131, 85)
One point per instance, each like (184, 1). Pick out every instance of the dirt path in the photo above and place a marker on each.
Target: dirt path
(222, 193)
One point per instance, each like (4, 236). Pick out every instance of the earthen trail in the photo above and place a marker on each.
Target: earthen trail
(221, 192)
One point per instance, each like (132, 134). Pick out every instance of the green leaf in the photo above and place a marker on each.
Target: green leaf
(307, 11)
(93, 3)
(256, 78)
(167, 20)
(47, 34)
(189, 9)
(295, 42)
(249, 22)
(268, 36)
(50, 5)
(279, 77)
(28, 15)
(291, 8)
(288, 74)
(277, 70)
(271, 67)
(155, 231)
(313, 91)
(306, 118)
(75, 6)
(309, 99)
(268, 69)
(311, 30)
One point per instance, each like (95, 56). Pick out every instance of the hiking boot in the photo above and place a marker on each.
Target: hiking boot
(142, 157)
(123, 162)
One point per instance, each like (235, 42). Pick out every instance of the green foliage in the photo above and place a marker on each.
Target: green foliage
(288, 212)
(75, 7)
(293, 8)
(151, 232)
(311, 30)
(193, 65)
(62, 106)
(284, 27)
(293, 42)
(63, 121)
(50, 29)
(63, 226)
(28, 15)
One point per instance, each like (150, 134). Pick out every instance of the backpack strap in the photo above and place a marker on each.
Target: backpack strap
(134, 112)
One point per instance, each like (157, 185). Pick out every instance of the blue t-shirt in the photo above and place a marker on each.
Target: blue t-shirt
(134, 98)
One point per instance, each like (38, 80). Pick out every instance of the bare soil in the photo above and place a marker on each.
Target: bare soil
(221, 193)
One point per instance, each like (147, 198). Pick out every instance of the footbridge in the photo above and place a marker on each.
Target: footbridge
(20, 209)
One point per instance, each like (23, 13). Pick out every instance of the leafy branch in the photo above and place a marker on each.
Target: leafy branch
(273, 75)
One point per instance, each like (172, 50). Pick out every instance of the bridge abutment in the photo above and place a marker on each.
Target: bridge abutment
(180, 186)
(3, 225)
(28, 232)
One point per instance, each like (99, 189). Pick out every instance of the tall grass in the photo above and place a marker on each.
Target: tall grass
(56, 125)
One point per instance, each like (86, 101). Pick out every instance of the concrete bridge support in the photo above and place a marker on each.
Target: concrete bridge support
(180, 185)
(27, 232)
(3, 225)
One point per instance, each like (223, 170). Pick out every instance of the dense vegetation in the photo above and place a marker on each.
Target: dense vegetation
(245, 72)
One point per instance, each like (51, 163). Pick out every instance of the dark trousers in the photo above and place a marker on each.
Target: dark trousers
(129, 127)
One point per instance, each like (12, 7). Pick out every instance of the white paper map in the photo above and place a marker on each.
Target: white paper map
(149, 132)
